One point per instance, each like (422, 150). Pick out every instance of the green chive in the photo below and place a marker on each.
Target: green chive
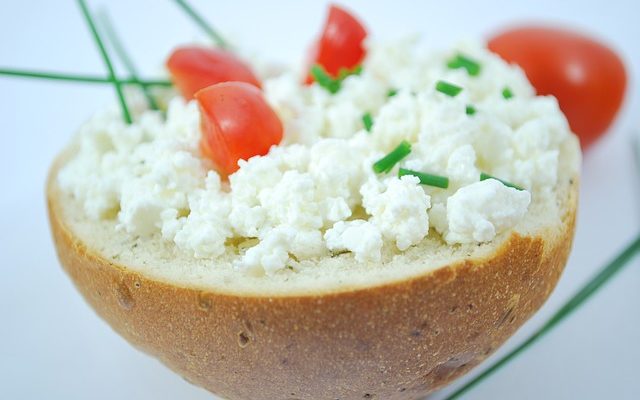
(386, 163)
(345, 72)
(103, 17)
(470, 110)
(484, 176)
(507, 93)
(367, 121)
(324, 80)
(585, 292)
(333, 85)
(203, 24)
(426, 179)
(448, 88)
(107, 61)
(54, 76)
(461, 61)
(392, 92)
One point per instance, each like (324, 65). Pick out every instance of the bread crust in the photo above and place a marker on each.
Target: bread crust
(400, 340)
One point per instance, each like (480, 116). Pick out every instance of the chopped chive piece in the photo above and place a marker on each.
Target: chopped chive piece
(203, 24)
(470, 110)
(55, 76)
(324, 80)
(345, 72)
(461, 61)
(448, 88)
(367, 121)
(386, 163)
(333, 85)
(484, 176)
(426, 179)
(110, 31)
(507, 93)
(392, 92)
(105, 57)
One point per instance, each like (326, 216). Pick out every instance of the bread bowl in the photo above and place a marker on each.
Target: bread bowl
(396, 326)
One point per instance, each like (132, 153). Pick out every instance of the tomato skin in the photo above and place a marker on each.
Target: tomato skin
(193, 68)
(587, 78)
(236, 123)
(340, 44)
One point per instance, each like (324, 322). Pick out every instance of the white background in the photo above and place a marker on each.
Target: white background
(53, 346)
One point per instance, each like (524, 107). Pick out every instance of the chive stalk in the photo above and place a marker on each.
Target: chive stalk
(392, 92)
(386, 163)
(367, 121)
(462, 61)
(105, 57)
(204, 25)
(118, 47)
(331, 84)
(322, 77)
(448, 88)
(507, 93)
(425, 178)
(484, 176)
(343, 73)
(470, 110)
(56, 76)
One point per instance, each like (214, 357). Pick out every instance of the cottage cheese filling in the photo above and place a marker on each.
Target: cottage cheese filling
(316, 193)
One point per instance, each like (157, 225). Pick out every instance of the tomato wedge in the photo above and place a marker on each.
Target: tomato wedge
(340, 44)
(586, 77)
(236, 123)
(193, 68)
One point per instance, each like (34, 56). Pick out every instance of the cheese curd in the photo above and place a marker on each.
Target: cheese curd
(316, 193)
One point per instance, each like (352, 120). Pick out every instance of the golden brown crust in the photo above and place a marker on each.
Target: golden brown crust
(396, 341)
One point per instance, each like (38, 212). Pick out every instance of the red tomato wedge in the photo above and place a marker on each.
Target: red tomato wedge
(236, 123)
(587, 78)
(340, 44)
(193, 68)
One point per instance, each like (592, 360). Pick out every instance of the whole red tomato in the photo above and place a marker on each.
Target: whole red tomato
(586, 77)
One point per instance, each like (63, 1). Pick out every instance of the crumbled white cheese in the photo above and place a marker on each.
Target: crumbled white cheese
(476, 213)
(398, 208)
(317, 192)
(398, 120)
(358, 236)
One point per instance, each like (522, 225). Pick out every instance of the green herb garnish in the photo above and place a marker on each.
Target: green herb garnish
(448, 88)
(324, 80)
(367, 121)
(507, 93)
(426, 179)
(392, 92)
(105, 57)
(55, 76)
(345, 72)
(470, 110)
(386, 163)
(484, 176)
(124, 56)
(461, 61)
(332, 85)
(203, 24)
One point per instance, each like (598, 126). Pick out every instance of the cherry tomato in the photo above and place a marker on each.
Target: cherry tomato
(193, 68)
(340, 45)
(586, 77)
(236, 123)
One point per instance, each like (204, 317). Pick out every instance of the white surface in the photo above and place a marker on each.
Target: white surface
(53, 346)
